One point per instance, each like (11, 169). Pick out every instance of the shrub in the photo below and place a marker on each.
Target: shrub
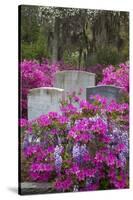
(33, 75)
(85, 147)
(117, 76)
(108, 55)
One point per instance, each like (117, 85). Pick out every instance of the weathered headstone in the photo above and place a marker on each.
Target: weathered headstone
(108, 91)
(43, 100)
(72, 80)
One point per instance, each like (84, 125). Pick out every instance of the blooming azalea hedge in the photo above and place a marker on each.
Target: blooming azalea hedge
(116, 76)
(35, 75)
(83, 147)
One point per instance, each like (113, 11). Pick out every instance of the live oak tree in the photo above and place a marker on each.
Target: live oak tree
(77, 36)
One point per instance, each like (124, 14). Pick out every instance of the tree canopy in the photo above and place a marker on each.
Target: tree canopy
(80, 37)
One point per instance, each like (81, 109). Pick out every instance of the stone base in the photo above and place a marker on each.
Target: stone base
(35, 188)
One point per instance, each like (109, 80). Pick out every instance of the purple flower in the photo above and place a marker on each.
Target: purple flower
(58, 158)
(76, 153)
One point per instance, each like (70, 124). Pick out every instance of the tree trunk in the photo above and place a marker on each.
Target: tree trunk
(80, 57)
(55, 40)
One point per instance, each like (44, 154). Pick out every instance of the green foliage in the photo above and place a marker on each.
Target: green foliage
(36, 50)
(29, 23)
(28, 51)
(83, 37)
(108, 55)
(71, 58)
(104, 184)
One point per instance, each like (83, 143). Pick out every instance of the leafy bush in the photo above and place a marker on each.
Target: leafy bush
(85, 147)
(108, 55)
(33, 75)
(116, 76)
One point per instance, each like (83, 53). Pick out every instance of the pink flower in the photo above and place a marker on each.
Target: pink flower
(90, 172)
(53, 115)
(120, 147)
(86, 157)
(84, 104)
(34, 75)
(116, 76)
(83, 137)
(99, 157)
(63, 185)
(99, 127)
(44, 120)
(110, 159)
(40, 167)
(81, 175)
(100, 99)
(69, 109)
(23, 122)
(63, 120)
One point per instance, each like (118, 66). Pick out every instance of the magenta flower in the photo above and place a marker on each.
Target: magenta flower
(32, 150)
(81, 146)
(53, 115)
(99, 127)
(99, 157)
(63, 185)
(40, 167)
(102, 100)
(34, 75)
(63, 120)
(69, 109)
(44, 120)
(117, 77)
(84, 137)
(23, 122)
(110, 159)
(84, 104)
(120, 147)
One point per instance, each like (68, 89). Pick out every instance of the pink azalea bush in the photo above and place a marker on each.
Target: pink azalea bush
(116, 76)
(33, 75)
(84, 147)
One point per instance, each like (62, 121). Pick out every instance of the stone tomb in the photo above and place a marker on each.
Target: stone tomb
(43, 100)
(72, 80)
(108, 91)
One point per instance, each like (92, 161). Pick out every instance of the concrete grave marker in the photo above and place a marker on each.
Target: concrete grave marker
(72, 80)
(108, 91)
(43, 100)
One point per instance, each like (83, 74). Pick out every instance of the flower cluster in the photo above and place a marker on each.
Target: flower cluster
(58, 158)
(33, 75)
(82, 148)
(116, 76)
